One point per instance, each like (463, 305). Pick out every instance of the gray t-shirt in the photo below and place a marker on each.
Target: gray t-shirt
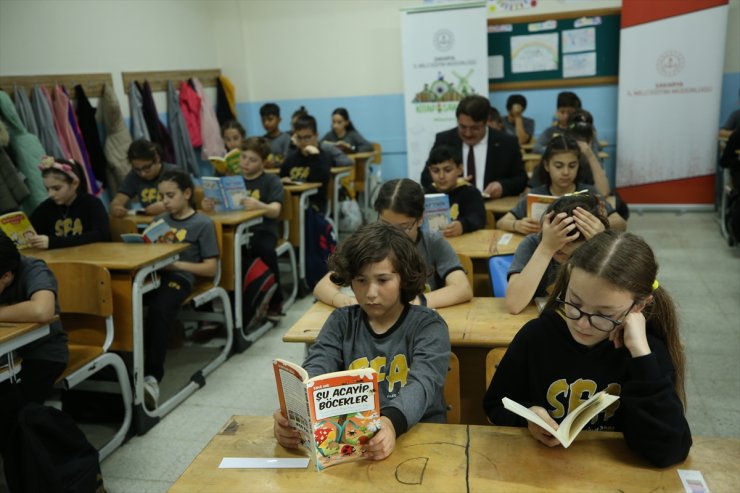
(197, 230)
(510, 127)
(279, 145)
(141, 190)
(523, 253)
(520, 209)
(33, 275)
(440, 258)
(267, 188)
(411, 359)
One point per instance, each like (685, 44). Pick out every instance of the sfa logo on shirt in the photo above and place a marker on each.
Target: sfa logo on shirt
(396, 372)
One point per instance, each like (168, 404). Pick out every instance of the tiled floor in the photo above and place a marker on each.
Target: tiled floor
(697, 267)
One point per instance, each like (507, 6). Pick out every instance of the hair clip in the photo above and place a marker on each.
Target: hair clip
(656, 285)
(579, 192)
(49, 163)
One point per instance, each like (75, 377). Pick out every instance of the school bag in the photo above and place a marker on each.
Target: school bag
(50, 454)
(257, 290)
(320, 243)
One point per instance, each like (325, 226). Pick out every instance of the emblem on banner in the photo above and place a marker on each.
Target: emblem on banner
(670, 63)
(444, 40)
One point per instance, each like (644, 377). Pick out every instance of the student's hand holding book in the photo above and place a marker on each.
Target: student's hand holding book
(286, 436)
(539, 433)
(526, 226)
(384, 442)
(39, 241)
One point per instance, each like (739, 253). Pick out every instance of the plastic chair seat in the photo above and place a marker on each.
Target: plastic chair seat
(498, 267)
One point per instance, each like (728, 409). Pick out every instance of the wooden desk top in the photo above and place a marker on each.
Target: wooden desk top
(458, 458)
(502, 205)
(358, 156)
(484, 243)
(12, 330)
(118, 256)
(294, 189)
(531, 156)
(341, 169)
(480, 322)
(227, 218)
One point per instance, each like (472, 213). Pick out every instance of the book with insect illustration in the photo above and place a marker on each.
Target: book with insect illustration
(336, 413)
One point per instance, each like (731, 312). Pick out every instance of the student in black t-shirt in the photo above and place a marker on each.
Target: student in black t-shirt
(28, 294)
(310, 163)
(70, 216)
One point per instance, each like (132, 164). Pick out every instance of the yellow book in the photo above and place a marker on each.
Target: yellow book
(228, 164)
(18, 228)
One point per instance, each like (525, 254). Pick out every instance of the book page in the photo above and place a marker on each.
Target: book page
(296, 405)
(527, 414)
(579, 417)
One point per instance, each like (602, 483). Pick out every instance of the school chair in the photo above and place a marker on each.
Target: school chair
(493, 358)
(451, 390)
(10, 368)
(467, 264)
(498, 267)
(120, 226)
(86, 301)
(285, 247)
(490, 220)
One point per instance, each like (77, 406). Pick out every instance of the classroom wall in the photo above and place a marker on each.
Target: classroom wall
(322, 54)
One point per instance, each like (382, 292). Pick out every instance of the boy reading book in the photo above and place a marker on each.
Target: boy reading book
(407, 345)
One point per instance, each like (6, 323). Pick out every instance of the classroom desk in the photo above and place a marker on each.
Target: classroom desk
(15, 335)
(475, 328)
(439, 458)
(338, 173)
(361, 174)
(531, 160)
(480, 246)
(300, 194)
(132, 268)
(501, 206)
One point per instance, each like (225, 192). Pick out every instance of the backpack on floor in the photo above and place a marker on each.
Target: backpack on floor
(257, 290)
(51, 454)
(320, 243)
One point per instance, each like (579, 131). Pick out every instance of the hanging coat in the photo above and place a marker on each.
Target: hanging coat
(93, 182)
(225, 111)
(60, 107)
(184, 154)
(12, 188)
(89, 129)
(27, 153)
(190, 107)
(136, 108)
(23, 107)
(117, 139)
(213, 144)
(157, 131)
(45, 123)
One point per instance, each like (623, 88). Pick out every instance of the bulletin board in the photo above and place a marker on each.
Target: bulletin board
(554, 50)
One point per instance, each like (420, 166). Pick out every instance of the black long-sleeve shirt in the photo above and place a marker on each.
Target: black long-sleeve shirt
(83, 221)
(466, 206)
(544, 366)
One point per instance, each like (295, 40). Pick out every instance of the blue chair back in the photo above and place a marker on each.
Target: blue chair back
(498, 267)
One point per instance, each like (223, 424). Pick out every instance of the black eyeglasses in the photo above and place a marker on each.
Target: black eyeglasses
(598, 322)
(142, 170)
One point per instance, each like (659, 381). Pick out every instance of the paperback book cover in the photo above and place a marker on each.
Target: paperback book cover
(336, 413)
(18, 228)
(537, 204)
(436, 212)
(226, 191)
(157, 232)
(228, 164)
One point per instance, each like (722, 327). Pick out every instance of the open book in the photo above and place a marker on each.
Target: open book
(18, 228)
(228, 164)
(537, 204)
(226, 191)
(573, 423)
(436, 212)
(156, 232)
(335, 413)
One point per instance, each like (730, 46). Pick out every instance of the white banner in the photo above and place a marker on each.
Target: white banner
(445, 58)
(670, 81)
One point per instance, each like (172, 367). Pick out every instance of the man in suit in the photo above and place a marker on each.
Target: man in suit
(492, 160)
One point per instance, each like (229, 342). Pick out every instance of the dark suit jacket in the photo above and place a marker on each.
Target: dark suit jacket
(503, 160)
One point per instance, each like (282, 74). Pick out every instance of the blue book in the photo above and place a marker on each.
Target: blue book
(226, 191)
(436, 212)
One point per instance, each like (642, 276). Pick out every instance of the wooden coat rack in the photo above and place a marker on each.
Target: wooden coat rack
(91, 83)
(158, 79)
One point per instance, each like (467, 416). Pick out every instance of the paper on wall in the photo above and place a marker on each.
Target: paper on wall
(534, 53)
(575, 40)
(496, 67)
(579, 65)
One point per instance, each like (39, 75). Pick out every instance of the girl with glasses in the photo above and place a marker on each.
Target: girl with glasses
(608, 325)
(401, 203)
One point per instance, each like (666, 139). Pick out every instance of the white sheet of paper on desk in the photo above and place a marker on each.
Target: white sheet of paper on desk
(693, 481)
(505, 239)
(263, 463)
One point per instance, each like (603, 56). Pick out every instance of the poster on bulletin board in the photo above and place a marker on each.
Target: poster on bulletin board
(551, 50)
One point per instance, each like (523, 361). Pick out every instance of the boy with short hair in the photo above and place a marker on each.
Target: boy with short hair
(28, 293)
(567, 103)
(279, 141)
(515, 123)
(309, 163)
(466, 202)
(494, 120)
